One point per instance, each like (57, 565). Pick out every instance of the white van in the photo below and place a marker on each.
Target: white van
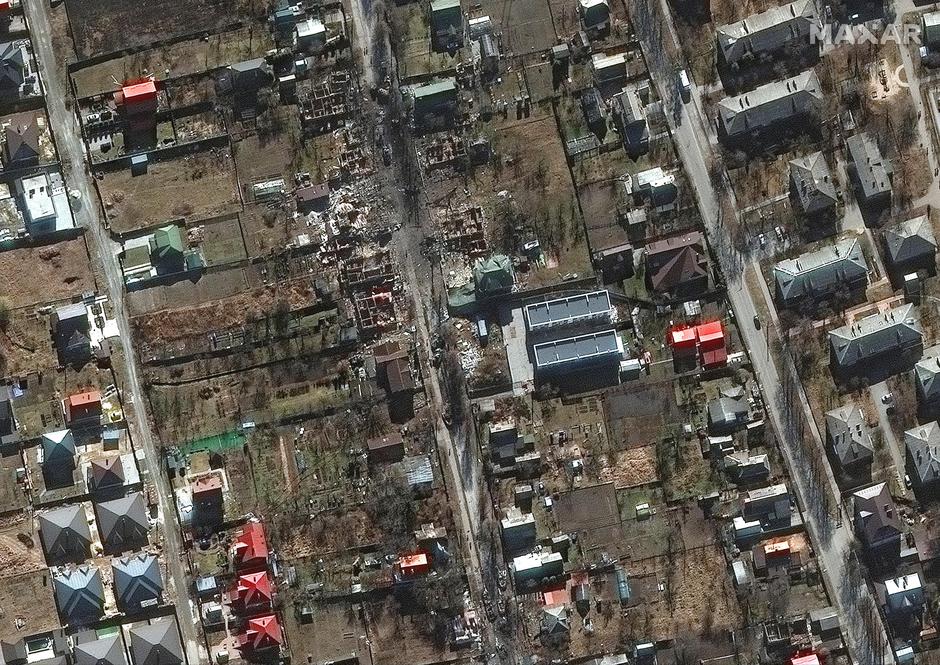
(685, 85)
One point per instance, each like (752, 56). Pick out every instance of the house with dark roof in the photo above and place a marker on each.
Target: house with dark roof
(261, 634)
(870, 171)
(156, 643)
(387, 448)
(893, 336)
(71, 328)
(850, 439)
(927, 379)
(923, 456)
(122, 523)
(677, 265)
(767, 33)
(877, 522)
(65, 534)
(630, 117)
(770, 106)
(555, 624)
(107, 650)
(250, 75)
(595, 16)
(902, 596)
(21, 142)
(79, 594)
(14, 68)
(8, 427)
(812, 187)
(138, 584)
(58, 448)
(106, 473)
(166, 250)
(835, 268)
(911, 246)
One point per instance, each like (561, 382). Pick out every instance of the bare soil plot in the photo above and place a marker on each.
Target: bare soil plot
(28, 605)
(526, 25)
(26, 344)
(209, 286)
(221, 241)
(45, 274)
(104, 26)
(332, 636)
(402, 639)
(631, 467)
(271, 155)
(194, 187)
(20, 548)
(636, 415)
(180, 59)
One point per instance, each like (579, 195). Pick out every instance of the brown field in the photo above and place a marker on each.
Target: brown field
(635, 466)
(210, 286)
(526, 26)
(50, 273)
(26, 344)
(27, 598)
(275, 155)
(181, 59)
(104, 26)
(194, 187)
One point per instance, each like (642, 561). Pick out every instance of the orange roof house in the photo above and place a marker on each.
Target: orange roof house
(413, 564)
(261, 633)
(253, 592)
(251, 547)
(682, 338)
(137, 97)
(83, 406)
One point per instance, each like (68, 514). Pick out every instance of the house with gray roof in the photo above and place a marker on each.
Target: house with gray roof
(767, 32)
(108, 650)
(79, 594)
(896, 333)
(815, 275)
(911, 246)
(630, 117)
(156, 643)
(849, 438)
(13, 67)
(870, 171)
(21, 142)
(65, 534)
(877, 522)
(927, 377)
(923, 455)
(770, 105)
(106, 473)
(122, 523)
(58, 448)
(138, 584)
(71, 329)
(556, 625)
(726, 414)
(812, 188)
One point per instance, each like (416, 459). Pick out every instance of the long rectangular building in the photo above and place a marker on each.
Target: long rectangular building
(579, 352)
(568, 311)
(767, 32)
(770, 104)
(895, 332)
(821, 273)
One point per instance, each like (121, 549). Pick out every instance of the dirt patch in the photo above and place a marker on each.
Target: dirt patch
(628, 468)
(46, 274)
(26, 344)
(637, 414)
(27, 601)
(194, 187)
(104, 26)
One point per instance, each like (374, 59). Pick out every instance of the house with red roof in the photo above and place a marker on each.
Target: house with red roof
(137, 97)
(83, 408)
(250, 549)
(711, 345)
(252, 594)
(413, 565)
(261, 633)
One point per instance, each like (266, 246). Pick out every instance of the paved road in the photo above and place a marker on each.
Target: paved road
(787, 407)
(87, 215)
(877, 392)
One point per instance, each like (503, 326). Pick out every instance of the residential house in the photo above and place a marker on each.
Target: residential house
(569, 312)
(250, 549)
(21, 142)
(106, 474)
(677, 265)
(138, 583)
(655, 185)
(65, 534)
(447, 24)
(122, 523)
(388, 448)
(894, 335)
(726, 415)
(156, 642)
(14, 68)
(166, 250)
(79, 594)
(768, 505)
(107, 650)
(923, 456)
(519, 531)
(37, 204)
(594, 110)
(493, 276)
(531, 569)
(581, 352)
(608, 69)
(850, 439)
(747, 469)
(877, 522)
(870, 171)
(208, 501)
(556, 626)
(249, 76)
(812, 188)
(927, 378)
(902, 596)
(262, 634)
(83, 408)
(58, 457)
(437, 98)
(311, 34)
(252, 594)
(768, 32)
(911, 246)
(71, 329)
(595, 16)
(930, 29)
(770, 106)
(630, 117)
(836, 268)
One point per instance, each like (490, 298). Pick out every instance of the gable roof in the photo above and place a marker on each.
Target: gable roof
(137, 581)
(927, 374)
(874, 335)
(122, 523)
(79, 594)
(876, 517)
(107, 650)
(849, 435)
(923, 452)
(872, 171)
(812, 183)
(767, 31)
(156, 643)
(65, 533)
(770, 103)
(58, 446)
(822, 272)
(911, 240)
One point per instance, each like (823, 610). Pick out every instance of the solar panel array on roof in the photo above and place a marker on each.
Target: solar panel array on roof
(593, 346)
(569, 310)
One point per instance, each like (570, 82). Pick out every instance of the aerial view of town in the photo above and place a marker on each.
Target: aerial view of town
(442, 332)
